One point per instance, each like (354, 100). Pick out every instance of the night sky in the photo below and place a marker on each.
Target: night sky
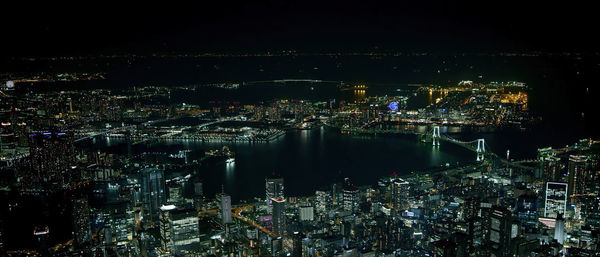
(33, 29)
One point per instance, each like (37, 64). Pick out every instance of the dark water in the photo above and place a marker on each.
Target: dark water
(309, 159)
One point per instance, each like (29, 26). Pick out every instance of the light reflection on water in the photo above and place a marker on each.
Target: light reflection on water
(230, 174)
(307, 159)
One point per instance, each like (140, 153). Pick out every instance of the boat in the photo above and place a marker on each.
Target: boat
(230, 160)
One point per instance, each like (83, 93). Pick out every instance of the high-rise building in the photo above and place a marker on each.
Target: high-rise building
(321, 201)
(276, 246)
(179, 230)
(552, 169)
(198, 195)
(400, 190)
(198, 191)
(297, 244)
(527, 207)
(471, 216)
(499, 228)
(577, 174)
(51, 160)
(556, 199)
(224, 201)
(274, 188)
(154, 193)
(278, 215)
(82, 224)
(306, 213)
(349, 196)
(42, 235)
(559, 229)
(550, 165)
(336, 190)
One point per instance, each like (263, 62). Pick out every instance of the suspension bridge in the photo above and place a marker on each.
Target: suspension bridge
(479, 146)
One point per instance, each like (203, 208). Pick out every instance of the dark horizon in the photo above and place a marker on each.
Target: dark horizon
(307, 27)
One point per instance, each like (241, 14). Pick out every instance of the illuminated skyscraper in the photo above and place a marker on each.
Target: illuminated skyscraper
(297, 244)
(577, 174)
(559, 229)
(350, 196)
(179, 230)
(51, 162)
(274, 188)
(198, 195)
(400, 194)
(198, 191)
(321, 201)
(552, 169)
(549, 165)
(499, 227)
(306, 213)
(224, 202)
(154, 193)
(82, 225)
(42, 235)
(278, 215)
(556, 199)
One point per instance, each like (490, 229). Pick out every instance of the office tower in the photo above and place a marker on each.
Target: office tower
(556, 199)
(198, 195)
(527, 207)
(276, 246)
(278, 215)
(499, 230)
(154, 193)
(166, 231)
(297, 244)
(198, 191)
(42, 235)
(559, 229)
(577, 175)
(179, 230)
(552, 169)
(306, 213)
(336, 189)
(224, 202)
(51, 160)
(82, 224)
(349, 196)
(274, 189)
(471, 216)
(175, 193)
(400, 190)
(322, 199)
(345, 230)
(549, 164)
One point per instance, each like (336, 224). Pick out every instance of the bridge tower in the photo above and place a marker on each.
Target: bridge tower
(480, 149)
(436, 136)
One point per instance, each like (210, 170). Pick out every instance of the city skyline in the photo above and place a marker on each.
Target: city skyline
(300, 129)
